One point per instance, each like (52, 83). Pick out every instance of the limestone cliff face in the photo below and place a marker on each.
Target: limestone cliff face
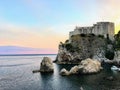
(80, 47)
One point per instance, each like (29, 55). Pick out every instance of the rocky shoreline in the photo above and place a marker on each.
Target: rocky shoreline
(87, 51)
(87, 66)
(82, 47)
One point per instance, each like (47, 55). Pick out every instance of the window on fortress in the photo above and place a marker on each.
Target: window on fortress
(98, 27)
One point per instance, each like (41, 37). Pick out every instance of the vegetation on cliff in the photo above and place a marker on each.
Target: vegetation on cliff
(117, 41)
(82, 46)
(110, 53)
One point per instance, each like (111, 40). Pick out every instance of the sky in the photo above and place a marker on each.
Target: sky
(44, 23)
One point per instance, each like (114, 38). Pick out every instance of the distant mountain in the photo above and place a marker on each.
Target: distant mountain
(25, 50)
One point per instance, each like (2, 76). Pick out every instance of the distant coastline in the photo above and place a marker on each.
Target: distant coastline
(25, 54)
(19, 50)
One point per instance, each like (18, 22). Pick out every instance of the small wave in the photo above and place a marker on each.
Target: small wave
(14, 65)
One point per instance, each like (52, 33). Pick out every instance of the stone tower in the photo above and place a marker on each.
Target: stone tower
(100, 28)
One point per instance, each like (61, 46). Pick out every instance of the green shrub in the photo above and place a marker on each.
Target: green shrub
(117, 41)
(72, 49)
(82, 35)
(101, 36)
(68, 46)
(109, 55)
(109, 41)
(72, 35)
(62, 44)
(92, 34)
(117, 44)
(66, 41)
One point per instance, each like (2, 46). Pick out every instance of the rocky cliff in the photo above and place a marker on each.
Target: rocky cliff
(87, 66)
(82, 46)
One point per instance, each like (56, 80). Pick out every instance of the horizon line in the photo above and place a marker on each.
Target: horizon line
(24, 54)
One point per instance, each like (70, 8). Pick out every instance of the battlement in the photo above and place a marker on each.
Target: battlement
(100, 28)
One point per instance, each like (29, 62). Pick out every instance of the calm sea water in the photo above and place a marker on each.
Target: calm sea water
(16, 74)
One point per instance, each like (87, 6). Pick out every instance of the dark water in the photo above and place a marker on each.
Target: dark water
(16, 74)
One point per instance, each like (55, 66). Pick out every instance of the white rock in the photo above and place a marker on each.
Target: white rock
(89, 66)
(64, 72)
(74, 70)
(46, 65)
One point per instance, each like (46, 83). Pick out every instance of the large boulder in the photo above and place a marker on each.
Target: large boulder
(74, 70)
(64, 72)
(89, 66)
(46, 65)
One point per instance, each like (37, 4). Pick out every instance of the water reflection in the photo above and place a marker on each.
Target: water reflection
(21, 77)
(74, 82)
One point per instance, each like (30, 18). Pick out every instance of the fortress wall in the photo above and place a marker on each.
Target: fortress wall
(85, 30)
(111, 31)
(80, 30)
(101, 28)
(71, 33)
(95, 30)
(89, 30)
(76, 31)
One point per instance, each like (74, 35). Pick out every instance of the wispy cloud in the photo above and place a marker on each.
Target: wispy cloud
(44, 23)
(110, 10)
(45, 37)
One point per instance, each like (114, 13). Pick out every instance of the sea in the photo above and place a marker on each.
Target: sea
(16, 74)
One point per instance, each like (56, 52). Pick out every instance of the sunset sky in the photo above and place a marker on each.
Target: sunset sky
(44, 23)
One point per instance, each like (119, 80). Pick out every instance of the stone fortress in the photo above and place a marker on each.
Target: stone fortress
(100, 28)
